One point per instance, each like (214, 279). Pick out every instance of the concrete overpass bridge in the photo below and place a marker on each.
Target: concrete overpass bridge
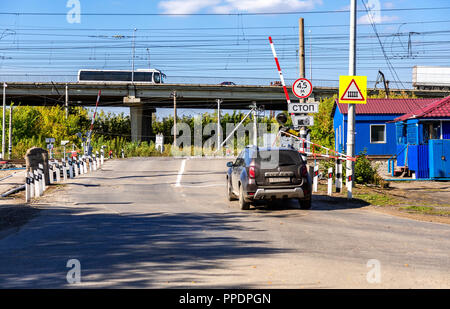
(143, 98)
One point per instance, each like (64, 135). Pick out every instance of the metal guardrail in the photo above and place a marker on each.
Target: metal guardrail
(392, 158)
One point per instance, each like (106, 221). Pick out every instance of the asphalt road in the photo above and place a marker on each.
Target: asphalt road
(149, 223)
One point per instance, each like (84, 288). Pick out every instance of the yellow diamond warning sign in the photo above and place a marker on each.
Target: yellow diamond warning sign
(353, 89)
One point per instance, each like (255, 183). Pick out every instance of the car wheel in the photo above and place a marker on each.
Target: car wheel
(244, 205)
(230, 195)
(305, 203)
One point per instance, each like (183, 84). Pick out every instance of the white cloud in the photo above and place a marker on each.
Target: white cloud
(264, 6)
(389, 5)
(232, 6)
(377, 19)
(186, 6)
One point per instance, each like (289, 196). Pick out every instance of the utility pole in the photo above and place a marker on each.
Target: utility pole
(219, 137)
(301, 50)
(310, 56)
(67, 102)
(301, 53)
(3, 120)
(174, 118)
(132, 60)
(351, 108)
(10, 132)
(255, 129)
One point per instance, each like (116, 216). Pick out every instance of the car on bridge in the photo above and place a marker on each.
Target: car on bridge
(265, 174)
(227, 83)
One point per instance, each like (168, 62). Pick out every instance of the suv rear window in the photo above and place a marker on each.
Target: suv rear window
(280, 157)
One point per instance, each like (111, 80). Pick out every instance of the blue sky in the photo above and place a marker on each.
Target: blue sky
(214, 48)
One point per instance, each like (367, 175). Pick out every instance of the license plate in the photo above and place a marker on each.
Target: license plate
(279, 179)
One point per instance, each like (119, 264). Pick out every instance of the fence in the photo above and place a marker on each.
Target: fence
(60, 171)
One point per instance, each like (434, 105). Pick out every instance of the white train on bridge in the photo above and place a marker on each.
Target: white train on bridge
(151, 76)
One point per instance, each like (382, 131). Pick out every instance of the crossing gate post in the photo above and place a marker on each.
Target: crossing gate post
(30, 176)
(316, 177)
(330, 181)
(338, 175)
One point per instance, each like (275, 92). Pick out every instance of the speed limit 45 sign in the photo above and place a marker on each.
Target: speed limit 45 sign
(302, 88)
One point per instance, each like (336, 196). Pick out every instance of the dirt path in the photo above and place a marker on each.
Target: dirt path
(420, 200)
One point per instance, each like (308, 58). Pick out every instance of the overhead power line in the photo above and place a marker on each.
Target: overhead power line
(220, 14)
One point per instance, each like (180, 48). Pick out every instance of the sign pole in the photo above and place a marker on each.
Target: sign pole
(351, 108)
(301, 52)
(3, 120)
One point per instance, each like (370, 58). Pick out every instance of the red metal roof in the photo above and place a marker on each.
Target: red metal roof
(437, 109)
(387, 106)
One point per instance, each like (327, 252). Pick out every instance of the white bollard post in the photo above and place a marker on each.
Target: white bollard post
(316, 177)
(51, 174)
(41, 178)
(90, 164)
(27, 189)
(102, 156)
(58, 172)
(70, 164)
(330, 181)
(338, 175)
(98, 159)
(64, 169)
(85, 165)
(94, 163)
(30, 176)
(37, 185)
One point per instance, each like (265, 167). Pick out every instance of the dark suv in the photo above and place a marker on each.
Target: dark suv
(268, 174)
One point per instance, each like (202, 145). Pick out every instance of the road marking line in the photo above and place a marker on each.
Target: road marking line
(180, 173)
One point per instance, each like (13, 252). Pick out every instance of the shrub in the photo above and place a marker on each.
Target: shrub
(364, 171)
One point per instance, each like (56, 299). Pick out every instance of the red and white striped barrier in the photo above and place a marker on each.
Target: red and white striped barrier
(288, 100)
(313, 146)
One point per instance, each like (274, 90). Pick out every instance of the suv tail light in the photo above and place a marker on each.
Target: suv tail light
(251, 172)
(304, 171)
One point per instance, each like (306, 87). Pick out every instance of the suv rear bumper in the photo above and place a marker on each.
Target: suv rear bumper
(278, 193)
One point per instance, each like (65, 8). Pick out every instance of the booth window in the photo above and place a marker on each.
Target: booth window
(377, 133)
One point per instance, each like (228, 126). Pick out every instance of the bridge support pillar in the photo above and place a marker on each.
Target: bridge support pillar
(141, 123)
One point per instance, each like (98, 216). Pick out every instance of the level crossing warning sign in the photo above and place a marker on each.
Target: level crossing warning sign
(353, 89)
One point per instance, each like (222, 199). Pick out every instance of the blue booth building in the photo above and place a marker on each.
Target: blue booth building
(423, 142)
(375, 130)
(412, 134)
